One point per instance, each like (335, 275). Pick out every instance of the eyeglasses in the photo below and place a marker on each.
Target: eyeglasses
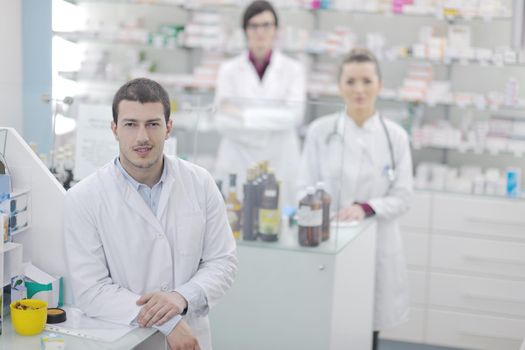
(264, 26)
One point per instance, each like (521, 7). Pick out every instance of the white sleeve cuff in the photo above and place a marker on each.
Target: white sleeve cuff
(169, 325)
(196, 298)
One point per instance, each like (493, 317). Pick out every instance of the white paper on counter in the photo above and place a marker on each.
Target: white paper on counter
(80, 325)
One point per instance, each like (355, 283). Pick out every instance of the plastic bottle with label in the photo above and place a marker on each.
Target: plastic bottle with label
(310, 219)
(269, 214)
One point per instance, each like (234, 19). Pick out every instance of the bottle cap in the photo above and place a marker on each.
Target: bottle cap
(233, 179)
(56, 315)
(320, 185)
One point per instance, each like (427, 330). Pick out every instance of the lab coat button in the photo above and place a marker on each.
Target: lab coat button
(160, 236)
(164, 287)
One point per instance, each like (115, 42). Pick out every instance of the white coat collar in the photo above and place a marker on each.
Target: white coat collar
(134, 200)
(275, 61)
(345, 121)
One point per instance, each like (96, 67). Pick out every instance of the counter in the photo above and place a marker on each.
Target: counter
(139, 338)
(291, 297)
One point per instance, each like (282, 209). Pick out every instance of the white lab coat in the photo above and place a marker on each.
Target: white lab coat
(357, 172)
(266, 128)
(118, 250)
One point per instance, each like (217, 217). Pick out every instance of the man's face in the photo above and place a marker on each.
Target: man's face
(261, 32)
(141, 130)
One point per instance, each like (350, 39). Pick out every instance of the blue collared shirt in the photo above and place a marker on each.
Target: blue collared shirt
(151, 196)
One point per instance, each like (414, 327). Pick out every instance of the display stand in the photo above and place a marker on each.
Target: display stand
(41, 240)
(291, 297)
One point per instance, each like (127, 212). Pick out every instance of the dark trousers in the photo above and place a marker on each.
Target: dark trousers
(375, 340)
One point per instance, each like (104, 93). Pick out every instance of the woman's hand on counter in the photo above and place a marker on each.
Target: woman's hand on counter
(353, 213)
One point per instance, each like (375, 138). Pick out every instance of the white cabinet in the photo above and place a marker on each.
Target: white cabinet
(483, 256)
(412, 331)
(472, 331)
(416, 247)
(496, 217)
(418, 287)
(299, 298)
(466, 272)
(419, 215)
(478, 294)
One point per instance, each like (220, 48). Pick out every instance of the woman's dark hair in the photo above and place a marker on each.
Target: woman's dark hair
(142, 90)
(360, 55)
(256, 8)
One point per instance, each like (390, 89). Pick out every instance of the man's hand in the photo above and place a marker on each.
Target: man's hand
(159, 307)
(355, 212)
(181, 338)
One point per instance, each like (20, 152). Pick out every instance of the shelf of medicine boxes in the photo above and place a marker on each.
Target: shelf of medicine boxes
(505, 57)
(521, 197)
(502, 151)
(315, 92)
(449, 15)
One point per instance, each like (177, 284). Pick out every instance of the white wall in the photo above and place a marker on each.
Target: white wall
(11, 64)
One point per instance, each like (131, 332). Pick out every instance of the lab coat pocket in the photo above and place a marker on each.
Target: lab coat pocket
(190, 228)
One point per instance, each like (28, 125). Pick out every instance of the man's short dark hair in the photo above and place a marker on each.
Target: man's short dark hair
(142, 90)
(255, 8)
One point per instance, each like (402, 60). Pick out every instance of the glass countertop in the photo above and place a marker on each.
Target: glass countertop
(340, 236)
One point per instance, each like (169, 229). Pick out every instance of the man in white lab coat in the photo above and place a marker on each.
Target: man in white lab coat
(269, 89)
(147, 237)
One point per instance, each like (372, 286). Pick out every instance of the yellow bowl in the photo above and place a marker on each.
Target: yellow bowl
(30, 321)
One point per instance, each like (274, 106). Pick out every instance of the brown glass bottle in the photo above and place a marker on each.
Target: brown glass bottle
(326, 200)
(309, 219)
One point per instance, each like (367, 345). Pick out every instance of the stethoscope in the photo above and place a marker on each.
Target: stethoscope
(390, 171)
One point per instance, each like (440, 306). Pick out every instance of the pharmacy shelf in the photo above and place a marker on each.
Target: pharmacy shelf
(437, 13)
(470, 194)
(318, 94)
(101, 38)
(9, 246)
(17, 192)
(94, 38)
(187, 82)
(481, 152)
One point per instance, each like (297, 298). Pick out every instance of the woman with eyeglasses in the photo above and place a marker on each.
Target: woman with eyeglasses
(262, 91)
(365, 162)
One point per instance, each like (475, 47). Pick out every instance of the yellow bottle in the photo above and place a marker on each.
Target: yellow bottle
(233, 208)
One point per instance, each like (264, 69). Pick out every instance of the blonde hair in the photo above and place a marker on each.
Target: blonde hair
(360, 55)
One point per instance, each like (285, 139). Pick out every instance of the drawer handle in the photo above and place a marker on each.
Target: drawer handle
(494, 221)
(480, 335)
(495, 260)
(490, 298)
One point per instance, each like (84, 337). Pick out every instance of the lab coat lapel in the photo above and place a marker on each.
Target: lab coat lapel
(133, 199)
(271, 75)
(167, 187)
(252, 81)
(353, 156)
